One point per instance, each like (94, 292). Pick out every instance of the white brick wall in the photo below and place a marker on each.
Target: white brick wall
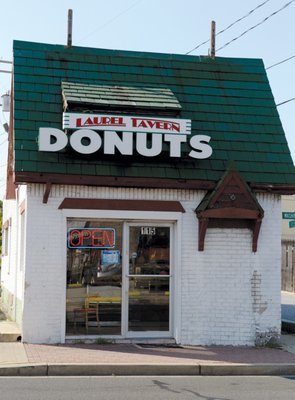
(228, 295)
(8, 269)
(219, 305)
(11, 273)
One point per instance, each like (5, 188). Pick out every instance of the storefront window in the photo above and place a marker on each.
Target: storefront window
(94, 277)
(149, 278)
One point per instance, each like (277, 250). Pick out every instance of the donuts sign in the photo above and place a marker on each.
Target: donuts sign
(89, 133)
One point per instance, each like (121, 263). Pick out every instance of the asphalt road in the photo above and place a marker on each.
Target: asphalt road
(143, 388)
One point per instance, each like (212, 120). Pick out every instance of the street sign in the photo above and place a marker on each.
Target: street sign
(291, 224)
(288, 215)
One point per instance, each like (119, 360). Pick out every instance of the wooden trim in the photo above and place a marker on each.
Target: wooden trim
(230, 213)
(10, 178)
(22, 207)
(273, 188)
(6, 224)
(203, 225)
(126, 205)
(230, 205)
(47, 192)
(112, 181)
(231, 223)
(256, 230)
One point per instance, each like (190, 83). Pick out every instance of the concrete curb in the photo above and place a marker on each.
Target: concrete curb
(145, 369)
(24, 370)
(247, 369)
(122, 369)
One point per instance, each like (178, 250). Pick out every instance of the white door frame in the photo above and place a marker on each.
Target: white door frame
(126, 276)
(174, 218)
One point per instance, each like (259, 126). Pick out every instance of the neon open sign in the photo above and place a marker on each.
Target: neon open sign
(89, 238)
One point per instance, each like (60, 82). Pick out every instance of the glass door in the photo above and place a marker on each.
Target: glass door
(94, 277)
(149, 280)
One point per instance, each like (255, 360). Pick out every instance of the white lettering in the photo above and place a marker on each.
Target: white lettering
(141, 145)
(175, 144)
(112, 141)
(201, 147)
(52, 139)
(87, 141)
(91, 136)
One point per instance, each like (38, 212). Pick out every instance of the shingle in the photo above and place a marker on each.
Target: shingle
(226, 98)
(119, 96)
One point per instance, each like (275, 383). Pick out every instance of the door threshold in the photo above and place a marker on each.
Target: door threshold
(119, 340)
(147, 341)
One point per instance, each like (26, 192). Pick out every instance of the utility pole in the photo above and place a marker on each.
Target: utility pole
(212, 49)
(70, 27)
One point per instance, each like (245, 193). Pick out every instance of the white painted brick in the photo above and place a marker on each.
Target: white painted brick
(220, 304)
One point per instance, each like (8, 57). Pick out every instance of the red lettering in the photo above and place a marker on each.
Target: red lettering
(102, 121)
(88, 238)
(86, 235)
(88, 122)
(75, 238)
(105, 121)
(151, 123)
(134, 122)
(97, 238)
(117, 121)
(157, 124)
(175, 127)
(108, 238)
(142, 124)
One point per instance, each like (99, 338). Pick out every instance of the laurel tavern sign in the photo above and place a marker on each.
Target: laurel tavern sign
(93, 132)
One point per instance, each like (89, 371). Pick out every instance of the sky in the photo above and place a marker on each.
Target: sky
(165, 26)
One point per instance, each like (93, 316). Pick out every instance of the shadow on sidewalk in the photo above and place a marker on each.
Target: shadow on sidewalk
(135, 353)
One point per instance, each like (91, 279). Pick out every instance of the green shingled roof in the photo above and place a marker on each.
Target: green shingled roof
(118, 96)
(228, 99)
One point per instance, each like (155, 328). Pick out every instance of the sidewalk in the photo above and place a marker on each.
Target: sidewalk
(134, 359)
(21, 359)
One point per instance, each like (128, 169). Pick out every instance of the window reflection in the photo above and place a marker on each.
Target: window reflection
(94, 277)
(149, 304)
(150, 250)
(149, 284)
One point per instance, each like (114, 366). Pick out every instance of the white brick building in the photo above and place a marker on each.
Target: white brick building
(124, 217)
(225, 295)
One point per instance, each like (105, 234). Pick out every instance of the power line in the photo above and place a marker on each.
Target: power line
(112, 19)
(281, 62)
(255, 26)
(229, 26)
(5, 140)
(284, 102)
